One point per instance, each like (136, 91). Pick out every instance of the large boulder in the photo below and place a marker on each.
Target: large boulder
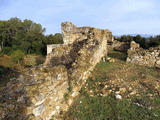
(48, 90)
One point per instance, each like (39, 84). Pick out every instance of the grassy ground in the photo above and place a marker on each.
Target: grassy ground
(138, 86)
(10, 70)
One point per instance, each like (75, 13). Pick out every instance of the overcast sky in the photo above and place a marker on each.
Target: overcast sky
(119, 16)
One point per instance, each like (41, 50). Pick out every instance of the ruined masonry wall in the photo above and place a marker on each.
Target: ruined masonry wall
(72, 33)
(42, 92)
(140, 56)
(51, 47)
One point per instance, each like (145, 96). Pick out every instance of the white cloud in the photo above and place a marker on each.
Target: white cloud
(117, 15)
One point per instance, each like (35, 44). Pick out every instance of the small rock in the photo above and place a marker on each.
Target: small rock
(117, 92)
(39, 110)
(133, 93)
(59, 77)
(73, 94)
(91, 91)
(104, 59)
(57, 107)
(112, 60)
(108, 58)
(122, 90)
(130, 88)
(106, 86)
(118, 97)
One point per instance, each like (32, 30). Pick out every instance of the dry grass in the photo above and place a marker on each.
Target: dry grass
(10, 70)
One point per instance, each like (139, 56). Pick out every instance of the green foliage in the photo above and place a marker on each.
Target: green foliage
(154, 41)
(17, 56)
(97, 107)
(108, 108)
(55, 39)
(144, 42)
(66, 96)
(26, 36)
(117, 55)
(1, 70)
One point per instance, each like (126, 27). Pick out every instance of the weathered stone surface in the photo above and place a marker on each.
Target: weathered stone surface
(47, 90)
(51, 47)
(134, 45)
(158, 63)
(120, 46)
(140, 56)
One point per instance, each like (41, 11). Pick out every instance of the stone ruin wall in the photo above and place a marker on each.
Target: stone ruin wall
(51, 47)
(71, 33)
(150, 57)
(118, 46)
(46, 91)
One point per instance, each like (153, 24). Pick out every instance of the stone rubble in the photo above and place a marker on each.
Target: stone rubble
(149, 57)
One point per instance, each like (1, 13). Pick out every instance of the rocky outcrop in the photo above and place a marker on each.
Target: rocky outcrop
(150, 57)
(48, 90)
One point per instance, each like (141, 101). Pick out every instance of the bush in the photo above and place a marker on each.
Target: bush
(144, 42)
(33, 60)
(17, 56)
(6, 50)
(1, 70)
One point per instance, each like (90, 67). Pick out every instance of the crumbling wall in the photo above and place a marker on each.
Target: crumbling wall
(150, 57)
(120, 46)
(51, 47)
(48, 90)
(71, 33)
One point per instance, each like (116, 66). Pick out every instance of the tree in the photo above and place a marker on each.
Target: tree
(55, 39)
(16, 34)
(17, 56)
(26, 36)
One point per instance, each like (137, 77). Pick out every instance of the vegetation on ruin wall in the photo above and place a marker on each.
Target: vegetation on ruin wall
(25, 36)
(144, 42)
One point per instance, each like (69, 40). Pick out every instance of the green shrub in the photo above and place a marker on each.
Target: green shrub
(1, 70)
(17, 56)
(117, 55)
(144, 42)
(6, 50)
